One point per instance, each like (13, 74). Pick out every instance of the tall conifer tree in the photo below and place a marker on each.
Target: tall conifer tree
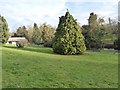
(68, 38)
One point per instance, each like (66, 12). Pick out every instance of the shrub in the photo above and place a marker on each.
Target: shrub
(21, 43)
(68, 38)
(117, 44)
(109, 46)
(48, 44)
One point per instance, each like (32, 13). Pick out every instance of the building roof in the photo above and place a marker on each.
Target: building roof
(14, 39)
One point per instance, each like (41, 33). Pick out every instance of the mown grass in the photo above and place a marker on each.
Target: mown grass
(39, 67)
(0, 66)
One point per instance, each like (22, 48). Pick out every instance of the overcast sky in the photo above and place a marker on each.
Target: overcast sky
(26, 12)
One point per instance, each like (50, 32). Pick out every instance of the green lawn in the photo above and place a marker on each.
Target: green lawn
(0, 67)
(39, 67)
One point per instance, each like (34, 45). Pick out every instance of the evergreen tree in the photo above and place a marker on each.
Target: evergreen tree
(30, 34)
(22, 32)
(37, 39)
(95, 33)
(47, 32)
(4, 31)
(68, 38)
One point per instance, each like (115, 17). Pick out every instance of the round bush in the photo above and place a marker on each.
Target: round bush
(21, 43)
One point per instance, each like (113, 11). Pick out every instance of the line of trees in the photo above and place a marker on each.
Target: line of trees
(69, 36)
(99, 34)
(36, 34)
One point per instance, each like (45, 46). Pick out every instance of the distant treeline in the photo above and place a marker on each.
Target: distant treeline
(97, 34)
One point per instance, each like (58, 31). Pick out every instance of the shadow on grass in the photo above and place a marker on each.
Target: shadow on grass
(40, 49)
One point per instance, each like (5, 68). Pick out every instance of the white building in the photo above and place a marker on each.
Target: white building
(13, 40)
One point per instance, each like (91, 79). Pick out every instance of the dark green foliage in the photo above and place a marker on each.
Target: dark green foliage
(93, 40)
(14, 35)
(68, 37)
(109, 46)
(117, 44)
(48, 44)
(22, 32)
(93, 33)
(4, 31)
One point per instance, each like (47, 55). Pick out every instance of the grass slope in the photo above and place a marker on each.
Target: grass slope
(39, 67)
(0, 66)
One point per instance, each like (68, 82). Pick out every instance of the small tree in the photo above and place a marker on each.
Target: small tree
(68, 37)
(94, 33)
(37, 33)
(30, 34)
(47, 32)
(22, 32)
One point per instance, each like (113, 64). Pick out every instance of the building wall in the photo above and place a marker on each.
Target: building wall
(11, 43)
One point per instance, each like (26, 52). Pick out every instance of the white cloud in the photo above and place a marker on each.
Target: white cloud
(114, 1)
(102, 9)
(22, 11)
(26, 12)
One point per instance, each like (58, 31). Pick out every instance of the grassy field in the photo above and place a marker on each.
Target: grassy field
(0, 66)
(39, 67)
